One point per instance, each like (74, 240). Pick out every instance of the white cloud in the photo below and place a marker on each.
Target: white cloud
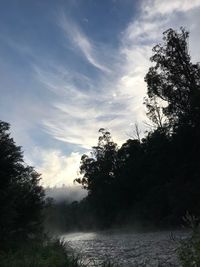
(164, 7)
(56, 168)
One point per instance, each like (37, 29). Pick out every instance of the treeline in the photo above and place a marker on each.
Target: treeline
(152, 180)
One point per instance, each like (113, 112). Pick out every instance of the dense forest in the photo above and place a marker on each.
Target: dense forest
(153, 179)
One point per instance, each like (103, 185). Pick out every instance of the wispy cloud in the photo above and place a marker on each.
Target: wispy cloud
(81, 41)
(78, 114)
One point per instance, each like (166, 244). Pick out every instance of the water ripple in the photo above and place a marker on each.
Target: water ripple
(127, 249)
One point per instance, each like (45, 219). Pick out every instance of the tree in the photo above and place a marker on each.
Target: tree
(173, 81)
(99, 168)
(98, 178)
(21, 196)
(174, 91)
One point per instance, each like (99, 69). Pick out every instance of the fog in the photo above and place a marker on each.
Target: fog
(65, 193)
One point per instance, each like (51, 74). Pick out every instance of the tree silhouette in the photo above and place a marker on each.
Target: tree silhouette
(174, 81)
(21, 197)
(99, 176)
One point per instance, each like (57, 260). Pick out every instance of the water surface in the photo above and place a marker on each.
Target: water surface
(127, 249)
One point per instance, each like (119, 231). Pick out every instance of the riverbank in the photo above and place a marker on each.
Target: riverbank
(106, 249)
(38, 254)
(127, 249)
(48, 253)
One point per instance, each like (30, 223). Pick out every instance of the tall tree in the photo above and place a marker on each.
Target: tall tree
(21, 196)
(173, 81)
(98, 169)
(98, 178)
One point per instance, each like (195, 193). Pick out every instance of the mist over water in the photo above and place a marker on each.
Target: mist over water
(127, 249)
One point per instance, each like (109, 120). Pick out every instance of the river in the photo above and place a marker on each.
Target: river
(127, 249)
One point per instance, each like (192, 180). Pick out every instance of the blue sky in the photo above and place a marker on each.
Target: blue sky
(71, 67)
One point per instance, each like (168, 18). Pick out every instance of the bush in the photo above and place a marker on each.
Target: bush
(43, 253)
(39, 254)
(189, 251)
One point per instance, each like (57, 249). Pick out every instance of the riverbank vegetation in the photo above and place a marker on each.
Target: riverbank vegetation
(41, 253)
(189, 248)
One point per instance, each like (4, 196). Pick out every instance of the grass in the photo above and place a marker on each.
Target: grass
(49, 253)
(39, 254)
(189, 250)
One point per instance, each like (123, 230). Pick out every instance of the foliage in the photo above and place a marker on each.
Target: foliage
(43, 253)
(51, 253)
(102, 162)
(174, 80)
(99, 176)
(21, 196)
(189, 250)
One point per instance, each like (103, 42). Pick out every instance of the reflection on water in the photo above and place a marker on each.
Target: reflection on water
(127, 249)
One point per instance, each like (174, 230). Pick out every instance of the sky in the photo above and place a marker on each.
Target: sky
(71, 67)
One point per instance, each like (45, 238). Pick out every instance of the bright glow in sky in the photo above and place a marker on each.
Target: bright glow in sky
(71, 67)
